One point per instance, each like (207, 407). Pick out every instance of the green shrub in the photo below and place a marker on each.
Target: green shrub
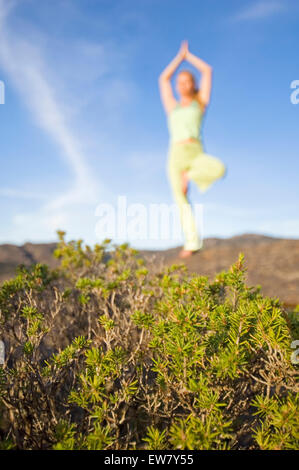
(110, 351)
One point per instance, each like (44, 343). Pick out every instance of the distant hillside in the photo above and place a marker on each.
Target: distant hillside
(29, 253)
(271, 262)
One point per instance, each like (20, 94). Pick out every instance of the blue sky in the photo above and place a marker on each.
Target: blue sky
(83, 124)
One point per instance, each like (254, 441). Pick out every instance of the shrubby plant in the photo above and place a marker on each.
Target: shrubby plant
(113, 351)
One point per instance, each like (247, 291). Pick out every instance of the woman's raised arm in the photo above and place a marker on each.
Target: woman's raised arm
(171, 68)
(166, 94)
(206, 76)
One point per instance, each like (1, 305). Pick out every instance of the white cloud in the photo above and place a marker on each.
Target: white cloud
(25, 65)
(260, 9)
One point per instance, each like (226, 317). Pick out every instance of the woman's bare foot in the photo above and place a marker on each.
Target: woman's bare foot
(184, 182)
(185, 253)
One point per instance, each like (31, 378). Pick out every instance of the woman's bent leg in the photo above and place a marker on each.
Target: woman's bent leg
(205, 169)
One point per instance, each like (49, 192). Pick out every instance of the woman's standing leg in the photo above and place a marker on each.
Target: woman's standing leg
(176, 164)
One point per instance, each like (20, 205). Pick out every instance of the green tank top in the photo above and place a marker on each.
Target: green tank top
(184, 122)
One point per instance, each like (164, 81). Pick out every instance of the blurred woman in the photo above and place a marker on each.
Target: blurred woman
(186, 159)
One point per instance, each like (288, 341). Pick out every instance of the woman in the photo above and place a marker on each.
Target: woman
(186, 157)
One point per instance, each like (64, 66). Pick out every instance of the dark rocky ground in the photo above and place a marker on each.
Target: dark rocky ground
(271, 262)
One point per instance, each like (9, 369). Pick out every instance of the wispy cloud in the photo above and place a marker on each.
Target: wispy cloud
(26, 67)
(258, 10)
(24, 64)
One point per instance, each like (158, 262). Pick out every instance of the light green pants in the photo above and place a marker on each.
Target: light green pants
(201, 168)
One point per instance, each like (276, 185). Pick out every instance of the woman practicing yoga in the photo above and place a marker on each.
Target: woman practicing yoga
(186, 157)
